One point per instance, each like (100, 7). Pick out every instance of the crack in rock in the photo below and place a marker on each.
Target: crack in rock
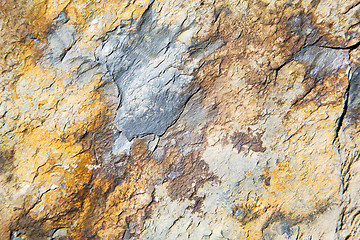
(351, 107)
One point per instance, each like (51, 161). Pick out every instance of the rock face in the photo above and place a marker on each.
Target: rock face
(201, 119)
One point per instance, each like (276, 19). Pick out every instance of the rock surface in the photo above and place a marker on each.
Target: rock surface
(201, 119)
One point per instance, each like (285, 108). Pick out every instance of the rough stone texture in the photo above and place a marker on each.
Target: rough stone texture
(158, 119)
(153, 71)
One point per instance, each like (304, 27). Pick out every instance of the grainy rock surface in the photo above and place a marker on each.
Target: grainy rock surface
(159, 119)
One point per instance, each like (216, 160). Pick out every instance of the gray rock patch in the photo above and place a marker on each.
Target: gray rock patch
(354, 91)
(353, 104)
(153, 72)
(60, 40)
(121, 145)
(322, 61)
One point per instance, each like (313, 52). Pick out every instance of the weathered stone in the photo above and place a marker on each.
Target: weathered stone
(192, 119)
(153, 71)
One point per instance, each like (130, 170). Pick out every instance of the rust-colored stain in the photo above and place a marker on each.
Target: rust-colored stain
(246, 141)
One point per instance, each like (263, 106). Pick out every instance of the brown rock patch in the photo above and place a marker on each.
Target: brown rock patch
(246, 141)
